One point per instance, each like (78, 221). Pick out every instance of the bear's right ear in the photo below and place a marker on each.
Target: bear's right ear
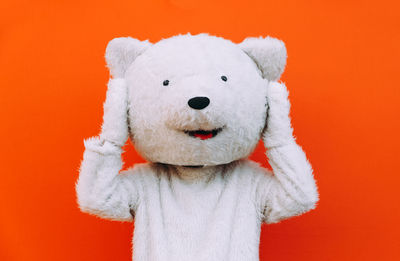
(121, 52)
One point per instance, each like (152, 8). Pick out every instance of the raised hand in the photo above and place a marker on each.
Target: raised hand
(101, 188)
(292, 188)
(115, 118)
(278, 131)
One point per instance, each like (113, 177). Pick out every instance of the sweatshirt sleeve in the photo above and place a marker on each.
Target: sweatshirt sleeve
(290, 190)
(101, 189)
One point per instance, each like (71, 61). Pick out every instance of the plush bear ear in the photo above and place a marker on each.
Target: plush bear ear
(268, 53)
(121, 52)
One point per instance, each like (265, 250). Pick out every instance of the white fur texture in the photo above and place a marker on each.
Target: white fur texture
(269, 54)
(194, 66)
(115, 118)
(121, 52)
(212, 212)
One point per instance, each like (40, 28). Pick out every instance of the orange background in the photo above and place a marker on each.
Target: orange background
(342, 74)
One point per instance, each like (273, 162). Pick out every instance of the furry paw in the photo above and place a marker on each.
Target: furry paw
(115, 118)
(279, 130)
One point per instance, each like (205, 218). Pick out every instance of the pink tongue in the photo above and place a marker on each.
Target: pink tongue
(203, 136)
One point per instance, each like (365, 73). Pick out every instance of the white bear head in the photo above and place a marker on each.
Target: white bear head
(196, 100)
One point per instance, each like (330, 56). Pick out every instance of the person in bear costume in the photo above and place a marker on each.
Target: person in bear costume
(195, 107)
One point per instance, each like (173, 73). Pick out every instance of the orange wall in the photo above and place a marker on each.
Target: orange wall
(342, 73)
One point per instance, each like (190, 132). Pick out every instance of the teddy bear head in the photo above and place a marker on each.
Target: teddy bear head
(196, 100)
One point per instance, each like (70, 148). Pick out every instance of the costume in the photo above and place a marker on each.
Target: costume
(195, 107)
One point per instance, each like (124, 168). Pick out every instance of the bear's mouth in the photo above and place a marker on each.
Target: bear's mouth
(203, 134)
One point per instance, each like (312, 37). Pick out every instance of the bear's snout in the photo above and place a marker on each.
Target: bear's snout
(198, 103)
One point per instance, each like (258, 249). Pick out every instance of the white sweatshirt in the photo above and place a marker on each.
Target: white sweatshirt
(197, 214)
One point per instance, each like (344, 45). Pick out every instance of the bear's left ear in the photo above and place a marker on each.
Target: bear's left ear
(268, 53)
(121, 52)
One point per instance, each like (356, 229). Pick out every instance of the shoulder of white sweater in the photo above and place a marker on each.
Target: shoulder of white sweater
(250, 168)
(247, 164)
(145, 170)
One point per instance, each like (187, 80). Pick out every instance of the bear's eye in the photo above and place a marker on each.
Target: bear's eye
(165, 83)
(224, 78)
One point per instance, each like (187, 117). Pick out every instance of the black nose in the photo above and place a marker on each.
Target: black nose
(199, 103)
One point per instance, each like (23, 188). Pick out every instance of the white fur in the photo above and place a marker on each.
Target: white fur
(194, 66)
(115, 118)
(121, 52)
(269, 54)
(212, 212)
